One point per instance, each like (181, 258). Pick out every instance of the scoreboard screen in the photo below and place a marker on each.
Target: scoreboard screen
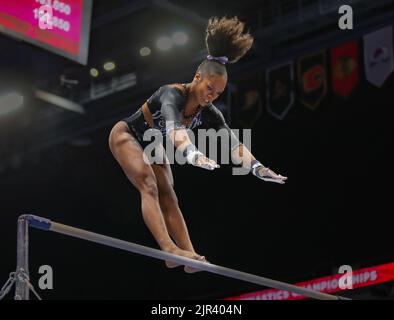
(60, 26)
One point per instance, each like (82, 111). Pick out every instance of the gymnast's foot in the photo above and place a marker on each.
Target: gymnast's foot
(179, 252)
(194, 270)
(187, 254)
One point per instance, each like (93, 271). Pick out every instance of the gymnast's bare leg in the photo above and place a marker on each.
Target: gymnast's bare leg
(129, 155)
(169, 205)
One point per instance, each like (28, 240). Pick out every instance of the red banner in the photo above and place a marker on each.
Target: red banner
(361, 278)
(345, 68)
(312, 79)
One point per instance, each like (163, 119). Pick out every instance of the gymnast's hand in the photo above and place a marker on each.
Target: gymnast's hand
(266, 174)
(205, 163)
(198, 159)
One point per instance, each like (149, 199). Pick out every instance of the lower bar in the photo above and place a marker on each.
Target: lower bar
(158, 254)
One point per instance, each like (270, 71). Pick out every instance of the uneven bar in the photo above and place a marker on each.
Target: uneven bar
(45, 224)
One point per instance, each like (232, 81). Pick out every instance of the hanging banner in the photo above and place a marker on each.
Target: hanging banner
(378, 55)
(345, 68)
(280, 90)
(249, 100)
(312, 79)
(331, 284)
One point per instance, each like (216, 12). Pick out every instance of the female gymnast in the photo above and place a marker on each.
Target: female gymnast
(173, 109)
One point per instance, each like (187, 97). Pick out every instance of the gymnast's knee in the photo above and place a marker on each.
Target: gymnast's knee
(168, 198)
(148, 186)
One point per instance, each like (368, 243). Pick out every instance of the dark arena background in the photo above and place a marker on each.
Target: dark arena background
(318, 100)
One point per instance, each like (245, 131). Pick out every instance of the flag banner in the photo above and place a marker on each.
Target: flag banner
(312, 79)
(249, 100)
(280, 90)
(378, 55)
(345, 68)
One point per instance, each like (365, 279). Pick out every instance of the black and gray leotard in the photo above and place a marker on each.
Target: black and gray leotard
(166, 106)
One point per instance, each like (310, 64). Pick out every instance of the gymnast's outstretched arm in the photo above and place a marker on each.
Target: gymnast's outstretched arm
(242, 155)
(239, 153)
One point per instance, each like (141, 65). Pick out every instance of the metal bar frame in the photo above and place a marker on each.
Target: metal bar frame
(22, 259)
(25, 221)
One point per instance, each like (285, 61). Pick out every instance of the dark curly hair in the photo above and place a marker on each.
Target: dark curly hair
(225, 37)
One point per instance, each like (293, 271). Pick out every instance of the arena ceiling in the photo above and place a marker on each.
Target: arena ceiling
(282, 29)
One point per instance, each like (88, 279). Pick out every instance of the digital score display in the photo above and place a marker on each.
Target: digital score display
(60, 26)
